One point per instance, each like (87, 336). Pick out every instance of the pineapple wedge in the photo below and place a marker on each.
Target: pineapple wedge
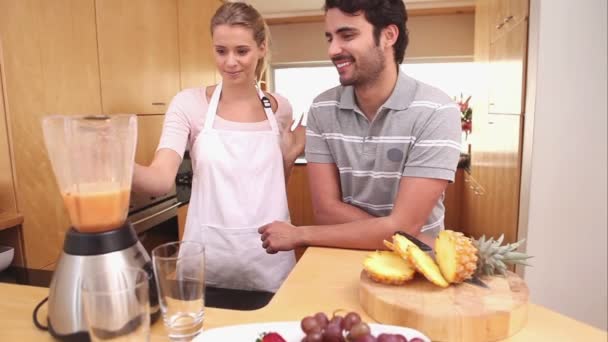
(426, 265)
(422, 262)
(388, 268)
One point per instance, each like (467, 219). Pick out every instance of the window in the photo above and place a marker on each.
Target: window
(301, 84)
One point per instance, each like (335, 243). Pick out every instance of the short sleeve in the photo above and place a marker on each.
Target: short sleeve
(176, 126)
(317, 150)
(436, 151)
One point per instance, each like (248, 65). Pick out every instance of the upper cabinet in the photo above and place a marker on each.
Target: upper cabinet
(138, 55)
(49, 66)
(195, 45)
(505, 15)
(507, 69)
(87, 57)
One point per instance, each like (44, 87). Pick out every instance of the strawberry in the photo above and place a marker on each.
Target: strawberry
(270, 337)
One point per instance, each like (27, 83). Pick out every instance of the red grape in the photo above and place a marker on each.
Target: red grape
(314, 337)
(333, 333)
(366, 338)
(321, 319)
(358, 330)
(336, 320)
(350, 320)
(309, 325)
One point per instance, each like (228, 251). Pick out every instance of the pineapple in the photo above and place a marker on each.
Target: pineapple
(461, 258)
(388, 268)
(456, 256)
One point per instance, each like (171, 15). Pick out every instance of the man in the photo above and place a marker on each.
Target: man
(382, 147)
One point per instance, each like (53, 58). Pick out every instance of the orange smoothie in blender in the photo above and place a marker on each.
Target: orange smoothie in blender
(93, 209)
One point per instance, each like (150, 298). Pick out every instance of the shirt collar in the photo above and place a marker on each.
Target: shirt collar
(400, 99)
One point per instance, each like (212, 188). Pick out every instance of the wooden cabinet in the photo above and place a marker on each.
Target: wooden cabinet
(149, 130)
(452, 201)
(138, 55)
(507, 66)
(197, 62)
(182, 214)
(506, 14)
(298, 197)
(49, 64)
(8, 201)
(82, 57)
(490, 193)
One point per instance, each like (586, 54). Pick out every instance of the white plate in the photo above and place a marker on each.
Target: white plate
(290, 331)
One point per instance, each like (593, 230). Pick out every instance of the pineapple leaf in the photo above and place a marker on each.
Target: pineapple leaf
(500, 239)
(513, 256)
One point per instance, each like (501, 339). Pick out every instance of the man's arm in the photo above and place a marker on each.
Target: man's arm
(415, 200)
(327, 204)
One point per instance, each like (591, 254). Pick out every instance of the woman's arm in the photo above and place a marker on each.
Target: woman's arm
(158, 178)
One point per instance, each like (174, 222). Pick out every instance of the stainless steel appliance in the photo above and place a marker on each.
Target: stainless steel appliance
(92, 159)
(154, 218)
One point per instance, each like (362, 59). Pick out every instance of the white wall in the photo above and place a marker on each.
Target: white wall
(564, 184)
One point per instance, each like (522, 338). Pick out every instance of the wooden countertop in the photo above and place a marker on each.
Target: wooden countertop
(323, 280)
(8, 219)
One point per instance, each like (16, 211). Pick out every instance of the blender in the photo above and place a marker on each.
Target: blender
(92, 159)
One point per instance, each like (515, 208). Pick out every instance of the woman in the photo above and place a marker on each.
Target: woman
(242, 148)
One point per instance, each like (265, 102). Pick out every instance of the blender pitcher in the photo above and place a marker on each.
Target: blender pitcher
(93, 158)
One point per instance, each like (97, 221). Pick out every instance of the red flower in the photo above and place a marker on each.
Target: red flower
(466, 114)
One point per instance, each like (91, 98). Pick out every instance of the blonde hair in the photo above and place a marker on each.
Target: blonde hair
(240, 13)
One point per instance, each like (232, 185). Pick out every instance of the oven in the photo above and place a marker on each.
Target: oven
(154, 218)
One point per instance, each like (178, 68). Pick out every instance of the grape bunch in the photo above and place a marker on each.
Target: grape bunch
(350, 328)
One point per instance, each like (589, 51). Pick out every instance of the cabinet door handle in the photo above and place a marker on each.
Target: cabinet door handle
(158, 103)
(499, 26)
(490, 122)
(507, 19)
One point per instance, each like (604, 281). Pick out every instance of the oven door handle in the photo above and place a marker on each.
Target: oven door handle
(176, 205)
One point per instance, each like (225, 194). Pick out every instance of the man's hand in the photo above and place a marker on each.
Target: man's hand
(279, 236)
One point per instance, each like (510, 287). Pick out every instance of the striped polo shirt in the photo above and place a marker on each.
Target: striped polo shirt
(416, 133)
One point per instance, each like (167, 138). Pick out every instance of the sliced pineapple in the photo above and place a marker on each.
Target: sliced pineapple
(388, 268)
(426, 265)
(456, 256)
(400, 245)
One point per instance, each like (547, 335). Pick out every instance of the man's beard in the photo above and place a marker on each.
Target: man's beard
(367, 69)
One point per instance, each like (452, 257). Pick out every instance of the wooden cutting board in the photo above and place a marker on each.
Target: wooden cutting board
(461, 312)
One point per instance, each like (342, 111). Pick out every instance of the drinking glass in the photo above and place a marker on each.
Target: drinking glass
(179, 268)
(116, 305)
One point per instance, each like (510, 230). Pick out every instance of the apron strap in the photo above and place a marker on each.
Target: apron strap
(214, 102)
(212, 109)
(268, 110)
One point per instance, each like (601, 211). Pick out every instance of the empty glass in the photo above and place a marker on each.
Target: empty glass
(179, 268)
(116, 305)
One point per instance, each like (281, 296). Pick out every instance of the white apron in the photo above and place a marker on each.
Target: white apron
(238, 186)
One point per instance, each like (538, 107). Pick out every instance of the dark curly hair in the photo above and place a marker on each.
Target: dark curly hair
(379, 13)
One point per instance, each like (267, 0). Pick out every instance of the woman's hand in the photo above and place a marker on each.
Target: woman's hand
(292, 144)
